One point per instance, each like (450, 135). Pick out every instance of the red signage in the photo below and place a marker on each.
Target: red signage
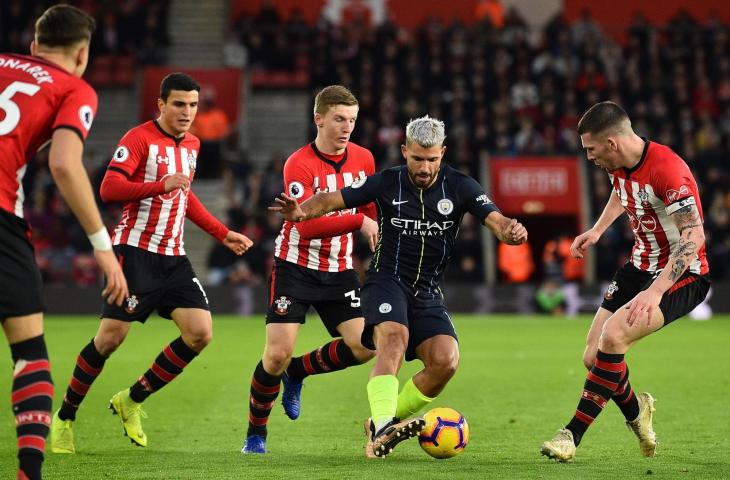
(535, 185)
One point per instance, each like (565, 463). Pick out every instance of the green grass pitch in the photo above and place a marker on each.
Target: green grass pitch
(519, 381)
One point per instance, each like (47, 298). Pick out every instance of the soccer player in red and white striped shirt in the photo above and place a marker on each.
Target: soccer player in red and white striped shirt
(313, 267)
(151, 172)
(42, 100)
(666, 277)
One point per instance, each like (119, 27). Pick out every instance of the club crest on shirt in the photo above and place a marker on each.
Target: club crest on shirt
(673, 195)
(643, 196)
(132, 303)
(192, 161)
(445, 206)
(282, 305)
(613, 288)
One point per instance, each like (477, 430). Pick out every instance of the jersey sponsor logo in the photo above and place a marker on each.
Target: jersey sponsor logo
(282, 305)
(648, 223)
(86, 115)
(171, 195)
(122, 154)
(484, 199)
(673, 195)
(612, 288)
(445, 206)
(421, 228)
(132, 303)
(399, 202)
(296, 190)
(385, 308)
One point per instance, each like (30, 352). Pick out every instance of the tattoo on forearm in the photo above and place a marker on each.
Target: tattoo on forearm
(677, 269)
(685, 249)
(685, 227)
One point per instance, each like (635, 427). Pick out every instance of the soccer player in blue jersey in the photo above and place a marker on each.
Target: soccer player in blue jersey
(420, 207)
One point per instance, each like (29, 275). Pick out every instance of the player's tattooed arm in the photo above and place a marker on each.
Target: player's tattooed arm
(691, 238)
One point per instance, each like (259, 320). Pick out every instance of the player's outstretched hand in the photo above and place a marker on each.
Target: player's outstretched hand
(288, 207)
(116, 285)
(236, 242)
(175, 181)
(369, 230)
(581, 243)
(514, 233)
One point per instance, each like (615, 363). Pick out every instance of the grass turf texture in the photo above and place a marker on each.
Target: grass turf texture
(519, 381)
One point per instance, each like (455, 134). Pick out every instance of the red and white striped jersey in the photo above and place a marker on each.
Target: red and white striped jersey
(306, 172)
(149, 154)
(36, 98)
(659, 185)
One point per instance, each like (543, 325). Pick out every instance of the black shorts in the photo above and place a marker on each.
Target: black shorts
(161, 282)
(292, 289)
(686, 293)
(21, 286)
(385, 298)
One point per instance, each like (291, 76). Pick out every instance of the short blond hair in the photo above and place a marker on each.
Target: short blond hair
(331, 96)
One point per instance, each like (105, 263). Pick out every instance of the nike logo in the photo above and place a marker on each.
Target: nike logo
(396, 202)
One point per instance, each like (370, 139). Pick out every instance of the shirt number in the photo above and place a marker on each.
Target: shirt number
(355, 299)
(12, 112)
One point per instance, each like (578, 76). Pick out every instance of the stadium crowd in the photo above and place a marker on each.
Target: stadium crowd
(508, 91)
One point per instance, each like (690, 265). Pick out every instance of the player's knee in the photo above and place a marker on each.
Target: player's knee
(276, 359)
(612, 340)
(392, 341)
(362, 354)
(199, 339)
(445, 364)
(108, 343)
(589, 361)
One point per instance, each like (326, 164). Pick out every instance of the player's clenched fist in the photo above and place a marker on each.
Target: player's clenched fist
(175, 181)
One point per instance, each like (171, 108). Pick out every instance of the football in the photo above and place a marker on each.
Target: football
(446, 433)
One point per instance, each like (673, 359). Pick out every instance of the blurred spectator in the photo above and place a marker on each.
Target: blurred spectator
(212, 127)
(550, 299)
(515, 262)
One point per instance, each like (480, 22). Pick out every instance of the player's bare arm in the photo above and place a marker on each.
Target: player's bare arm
(507, 230)
(691, 238)
(611, 212)
(316, 206)
(67, 169)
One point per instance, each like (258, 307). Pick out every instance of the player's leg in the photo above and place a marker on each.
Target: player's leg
(89, 364)
(335, 297)
(265, 382)
(624, 395)
(440, 357)
(603, 379)
(21, 307)
(32, 390)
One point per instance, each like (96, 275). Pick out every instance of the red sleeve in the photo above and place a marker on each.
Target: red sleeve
(299, 183)
(674, 184)
(116, 187)
(201, 217)
(326, 227)
(77, 108)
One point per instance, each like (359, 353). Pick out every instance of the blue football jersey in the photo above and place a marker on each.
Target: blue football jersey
(418, 228)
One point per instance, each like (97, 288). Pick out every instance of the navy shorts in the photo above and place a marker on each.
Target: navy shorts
(21, 286)
(293, 289)
(156, 282)
(385, 298)
(686, 293)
